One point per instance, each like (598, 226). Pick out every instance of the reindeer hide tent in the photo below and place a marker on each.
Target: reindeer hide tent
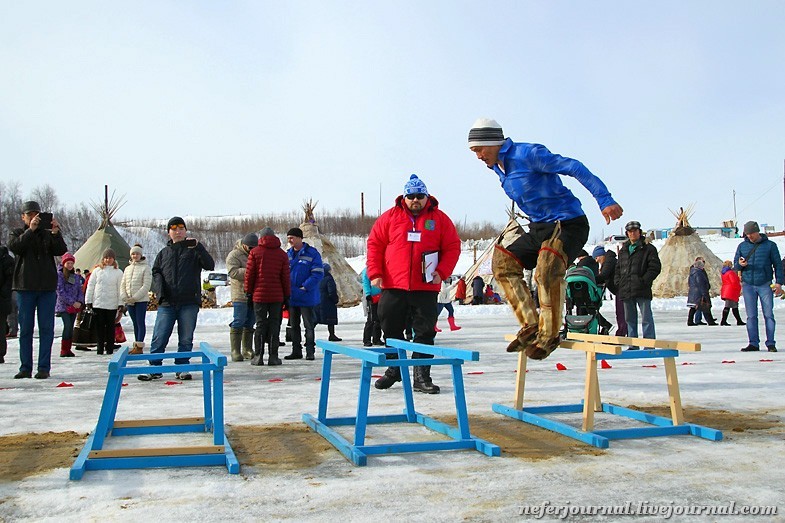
(350, 291)
(677, 256)
(105, 237)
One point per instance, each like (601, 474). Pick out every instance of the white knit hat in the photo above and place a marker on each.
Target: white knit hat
(485, 132)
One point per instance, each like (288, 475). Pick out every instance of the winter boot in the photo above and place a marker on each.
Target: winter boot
(391, 376)
(551, 290)
(453, 326)
(235, 337)
(724, 320)
(710, 318)
(508, 271)
(333, 337)
(436, 327)
(99, 349)
(65, 349)
(422, 380)
(297, 354)
(738, 318)
(137, 348)
(691, 317)
(260, 337)
(273, 358)
(247, 351)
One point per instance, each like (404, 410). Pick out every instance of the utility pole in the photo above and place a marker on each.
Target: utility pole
(362, 205)
(735, 219)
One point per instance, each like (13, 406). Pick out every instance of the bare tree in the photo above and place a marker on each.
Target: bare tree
(46, 197)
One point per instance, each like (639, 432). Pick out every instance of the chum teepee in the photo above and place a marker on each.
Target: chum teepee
(350, 292)
(106, 236)
(677, 256)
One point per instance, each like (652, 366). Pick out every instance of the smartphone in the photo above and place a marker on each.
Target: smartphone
(190, 242)
(46, 220)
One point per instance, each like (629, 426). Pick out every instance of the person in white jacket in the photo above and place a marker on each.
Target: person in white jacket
(446, 297)
(135, 293)
(103, 295)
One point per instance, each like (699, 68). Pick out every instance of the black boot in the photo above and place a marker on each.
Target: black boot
(391, 376)
(333, 337)
(273, 359)
(297, 354)
(259, 338)
(709, 318)
(422, 380)
(738, 318)
(725, 312)
(691, 317)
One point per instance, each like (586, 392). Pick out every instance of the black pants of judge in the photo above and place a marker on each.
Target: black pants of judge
(268, 326)
(574, 233)
(104, 319)
(372, 331)
(394, 307)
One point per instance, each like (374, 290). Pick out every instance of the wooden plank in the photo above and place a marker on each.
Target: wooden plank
(640, 342)
(673, 391)
(590, 347)
(157, 451)
(122, 424)
(589, 392)
(520, 380)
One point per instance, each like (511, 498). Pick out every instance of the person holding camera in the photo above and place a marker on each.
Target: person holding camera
(35, 281)
(178, 285)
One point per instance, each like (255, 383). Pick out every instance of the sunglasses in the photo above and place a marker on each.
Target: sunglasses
(175, 227)
(416, 196)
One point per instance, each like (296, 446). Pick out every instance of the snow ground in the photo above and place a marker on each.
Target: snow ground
(745, 468)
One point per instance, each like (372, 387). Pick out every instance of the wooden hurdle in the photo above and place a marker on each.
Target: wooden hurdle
(598, 348)
(94, 457)
(358, 452)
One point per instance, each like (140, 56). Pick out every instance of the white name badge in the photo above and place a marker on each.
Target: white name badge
(414, 236)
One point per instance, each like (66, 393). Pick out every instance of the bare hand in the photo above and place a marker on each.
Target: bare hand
(34, 222)
(777, 290)
(612, 212)
(437, 278)
(77, 305)
(742, 262)
(55, 226)
(376, 282)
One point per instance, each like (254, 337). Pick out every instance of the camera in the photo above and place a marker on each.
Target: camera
(45, 220)
(191, 242)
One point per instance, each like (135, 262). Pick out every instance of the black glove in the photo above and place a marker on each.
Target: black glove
(286, 303)
(369, 299)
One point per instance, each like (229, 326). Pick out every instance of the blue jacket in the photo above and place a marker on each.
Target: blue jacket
(368, 289)
(531, 179)
(305, 272)
(764, 262)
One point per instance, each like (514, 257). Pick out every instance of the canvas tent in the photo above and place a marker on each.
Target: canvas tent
(106, 236)
(350, 292)
(677, 256)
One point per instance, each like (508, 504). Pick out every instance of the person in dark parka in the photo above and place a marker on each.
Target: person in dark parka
(328, 304)
(6, 278)
(478, 289)
(698, 294)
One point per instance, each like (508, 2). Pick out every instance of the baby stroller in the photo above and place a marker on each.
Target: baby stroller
(584, 300)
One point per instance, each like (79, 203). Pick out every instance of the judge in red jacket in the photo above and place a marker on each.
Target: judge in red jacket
(397, 248)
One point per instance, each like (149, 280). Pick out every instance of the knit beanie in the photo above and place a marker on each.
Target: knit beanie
(109, 253)
(268, 231)
(295, 231)
(751, 227)
(176, 220)
(415, 186)
(251, 240)
(136, 249)
(326, 267)
(597, 252)
(67, 257)
(485, 132)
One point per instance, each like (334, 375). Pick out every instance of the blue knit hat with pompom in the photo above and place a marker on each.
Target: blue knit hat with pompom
(414, 186)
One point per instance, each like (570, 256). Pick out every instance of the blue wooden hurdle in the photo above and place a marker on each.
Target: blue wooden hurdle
(93, 457)
(358, 451)
(600, 348)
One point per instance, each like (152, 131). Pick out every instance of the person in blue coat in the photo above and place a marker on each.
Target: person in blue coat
(758, 258)
(531, 176)
(305, 272)
(328, 304)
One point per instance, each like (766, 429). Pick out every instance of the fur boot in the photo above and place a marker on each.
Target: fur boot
(508, 271)
(551, 290)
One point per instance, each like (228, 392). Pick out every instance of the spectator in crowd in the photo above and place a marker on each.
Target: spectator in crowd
(478, 290)
(306, 271)
(607, 264)
(444, 301)
(372, 332)
(6, 280)
(758, 259)
(241, 329)
(460, 291)
(70, 300)
(698, 298)
(13, 316)
(638, 265)
(135, 293)
(530, 175)
(730, 292)
(399, 240)
(328, 303)
(104, 297)
(35, 281)
(177, 273)
(268, 286)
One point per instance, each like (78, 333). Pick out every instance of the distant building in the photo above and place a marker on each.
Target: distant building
(725, 231)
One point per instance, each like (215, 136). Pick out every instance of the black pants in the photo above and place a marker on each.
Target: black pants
(394, 307)
(268, 325)
(574, 234)
(373, 327)
(309, 323)
(3, 341)
(104, 320)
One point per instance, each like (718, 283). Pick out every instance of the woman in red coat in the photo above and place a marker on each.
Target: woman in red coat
(731, 290)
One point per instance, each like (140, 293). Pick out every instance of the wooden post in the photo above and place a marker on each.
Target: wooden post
(590, 392)
(673, 391)
(520, 381)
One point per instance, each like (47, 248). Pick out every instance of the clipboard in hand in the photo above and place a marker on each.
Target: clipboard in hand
(430, 260)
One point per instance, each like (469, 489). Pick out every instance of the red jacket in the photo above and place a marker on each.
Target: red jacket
(397, 259)
(731, 286)
(267, 272)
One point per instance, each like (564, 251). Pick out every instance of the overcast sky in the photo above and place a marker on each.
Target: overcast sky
(244, 107)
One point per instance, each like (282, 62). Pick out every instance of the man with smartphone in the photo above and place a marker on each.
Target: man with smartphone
(35, 282)
(177, 285)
